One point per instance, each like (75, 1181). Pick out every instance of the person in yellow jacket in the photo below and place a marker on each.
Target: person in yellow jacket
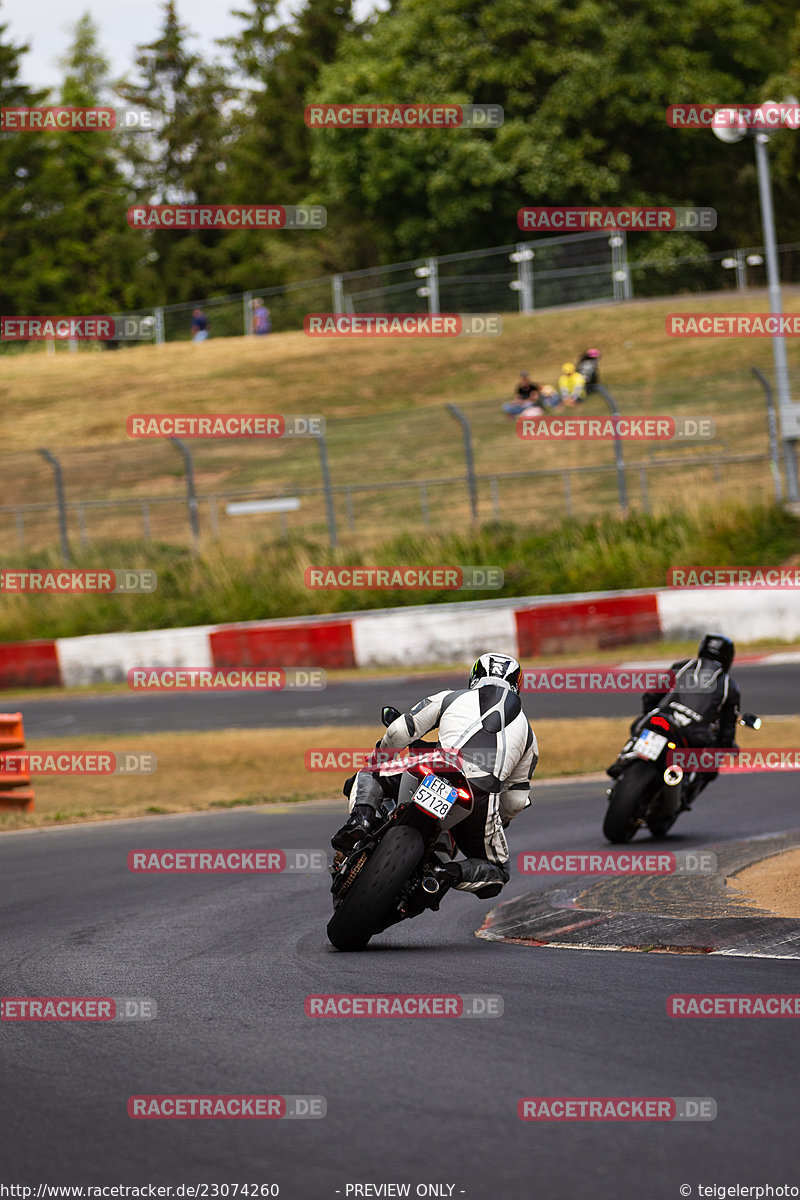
(571, 385)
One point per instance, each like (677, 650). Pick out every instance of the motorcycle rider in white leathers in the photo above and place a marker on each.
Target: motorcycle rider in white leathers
(499, 752)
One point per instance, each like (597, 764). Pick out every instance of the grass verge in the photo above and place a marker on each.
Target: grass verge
(268, 580)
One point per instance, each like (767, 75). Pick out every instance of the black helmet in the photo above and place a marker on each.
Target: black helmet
(496, 666)
(718, 648)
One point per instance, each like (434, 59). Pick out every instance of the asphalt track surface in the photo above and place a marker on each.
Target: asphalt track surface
(230, 958)
(765, 689)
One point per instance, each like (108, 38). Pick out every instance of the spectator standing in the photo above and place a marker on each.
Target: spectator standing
(199, 325)
(261, 323)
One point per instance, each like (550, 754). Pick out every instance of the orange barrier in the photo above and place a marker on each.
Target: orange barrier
(15, 788)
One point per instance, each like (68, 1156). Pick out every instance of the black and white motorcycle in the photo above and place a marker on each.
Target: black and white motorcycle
(395, 872)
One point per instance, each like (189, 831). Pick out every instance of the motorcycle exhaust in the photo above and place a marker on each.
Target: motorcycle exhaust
(673, 778)
(430, 884)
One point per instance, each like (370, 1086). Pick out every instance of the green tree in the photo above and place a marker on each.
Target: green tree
(91, 253)
(281, 63)
(23, 197)
(584, 86)
(186, 162)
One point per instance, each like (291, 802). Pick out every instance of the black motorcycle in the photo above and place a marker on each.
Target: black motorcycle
(648, 790)
(394, 873)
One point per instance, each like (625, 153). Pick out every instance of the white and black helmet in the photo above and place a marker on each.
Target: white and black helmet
(496, 666)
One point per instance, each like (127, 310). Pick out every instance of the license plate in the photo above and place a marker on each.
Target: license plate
(649, 745)
(434, 796)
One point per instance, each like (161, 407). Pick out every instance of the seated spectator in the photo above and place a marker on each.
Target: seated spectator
(549, 397)
(571, 385)
(589, 368)
(525, 397)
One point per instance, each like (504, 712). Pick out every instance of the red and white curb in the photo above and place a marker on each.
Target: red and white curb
(530, 627)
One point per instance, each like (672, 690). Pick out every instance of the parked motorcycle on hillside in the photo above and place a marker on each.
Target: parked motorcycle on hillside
(395, 872)
(648, 791)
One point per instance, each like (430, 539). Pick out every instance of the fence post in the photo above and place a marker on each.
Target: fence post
(337, 284)
(643, 489)
(523, 257)
(191, 495)
(433, 284)
(247, 312)
(348, 506)
(567, 485)
(158, 313)
(741, 272)
(83, 527)
(495, 498)
(423, 503)
(622, 487)
(146, 520)
(772, 429)
(62, 507)
(627, 286)
(326, 483)
(467, 432)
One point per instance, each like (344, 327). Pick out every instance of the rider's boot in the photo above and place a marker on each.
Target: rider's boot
(361, 822)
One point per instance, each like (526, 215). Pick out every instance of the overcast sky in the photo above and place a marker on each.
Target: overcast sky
(44, 24)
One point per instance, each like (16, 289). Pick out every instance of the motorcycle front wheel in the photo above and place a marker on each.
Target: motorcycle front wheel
(628, 799)
(368, 903)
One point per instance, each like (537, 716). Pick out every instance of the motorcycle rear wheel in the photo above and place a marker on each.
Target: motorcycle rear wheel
(368, 903)
(629, 797)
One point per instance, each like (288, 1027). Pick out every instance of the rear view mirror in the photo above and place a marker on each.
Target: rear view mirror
(389, 714)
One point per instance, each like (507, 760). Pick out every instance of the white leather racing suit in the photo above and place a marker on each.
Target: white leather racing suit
(499, 753)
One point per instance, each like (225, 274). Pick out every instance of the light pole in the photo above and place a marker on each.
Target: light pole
(733, 130)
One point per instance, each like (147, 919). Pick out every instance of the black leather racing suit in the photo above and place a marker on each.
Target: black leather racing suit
(704, 703)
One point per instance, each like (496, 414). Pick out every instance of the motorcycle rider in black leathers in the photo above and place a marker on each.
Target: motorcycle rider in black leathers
(486, 725)
(704, 703)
